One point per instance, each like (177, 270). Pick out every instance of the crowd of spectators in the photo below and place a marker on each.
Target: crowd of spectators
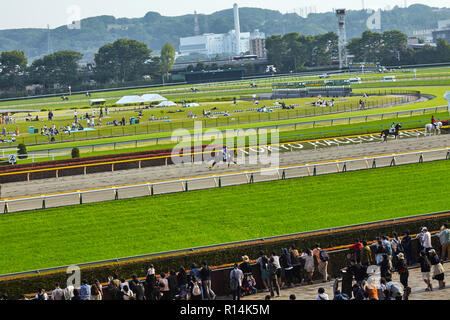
(367, 276)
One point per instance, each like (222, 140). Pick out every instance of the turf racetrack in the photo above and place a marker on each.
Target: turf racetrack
(70, 235)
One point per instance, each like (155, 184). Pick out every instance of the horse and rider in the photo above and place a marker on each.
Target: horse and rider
(227, 157)
(435, 126)
(393, 131)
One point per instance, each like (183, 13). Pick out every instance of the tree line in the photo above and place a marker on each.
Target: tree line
(123, 61)
(294, 52)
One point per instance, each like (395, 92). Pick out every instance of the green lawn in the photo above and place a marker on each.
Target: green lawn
(70, 235)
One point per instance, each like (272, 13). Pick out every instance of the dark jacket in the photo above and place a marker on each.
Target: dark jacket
(285, 260)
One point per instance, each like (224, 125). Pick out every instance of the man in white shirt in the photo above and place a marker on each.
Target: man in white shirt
(395, 290)
(236, 278)
(426, 239)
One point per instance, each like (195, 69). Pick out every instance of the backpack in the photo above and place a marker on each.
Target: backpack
(196, 290)
(323, 255)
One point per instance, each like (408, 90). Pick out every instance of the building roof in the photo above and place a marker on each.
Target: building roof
(146, 98)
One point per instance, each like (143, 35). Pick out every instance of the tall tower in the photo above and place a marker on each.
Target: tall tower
(237, 29)
(196, 24)
(342, 38)
(49, 41)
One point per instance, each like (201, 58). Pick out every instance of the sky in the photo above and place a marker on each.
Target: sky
(40, 13)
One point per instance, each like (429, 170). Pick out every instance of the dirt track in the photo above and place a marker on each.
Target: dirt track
(153, 174)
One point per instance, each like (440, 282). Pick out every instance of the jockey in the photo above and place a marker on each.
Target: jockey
(433, 122)
(392, 130)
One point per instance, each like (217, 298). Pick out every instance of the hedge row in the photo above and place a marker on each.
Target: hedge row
(227, 255)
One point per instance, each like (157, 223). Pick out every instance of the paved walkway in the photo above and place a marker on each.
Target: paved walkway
(415, 282)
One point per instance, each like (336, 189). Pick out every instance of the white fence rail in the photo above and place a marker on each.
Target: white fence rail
(220, 180)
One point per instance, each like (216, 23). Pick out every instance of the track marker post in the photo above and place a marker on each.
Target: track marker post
(283, 176)
(220, 182)
(116, 194)
(374, 164)
(6, 208)
(448, 156)
(43, 203)
(186, 188)
(252, 179)
(344, 168)
(80, 197)
(421, 158)
(393, 162)
(315, 171)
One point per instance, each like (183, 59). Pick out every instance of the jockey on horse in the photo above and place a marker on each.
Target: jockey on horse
(393, 131)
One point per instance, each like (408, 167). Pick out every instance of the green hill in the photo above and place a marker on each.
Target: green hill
(155, 30)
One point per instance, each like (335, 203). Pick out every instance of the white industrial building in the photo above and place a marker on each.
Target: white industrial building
(220, 44)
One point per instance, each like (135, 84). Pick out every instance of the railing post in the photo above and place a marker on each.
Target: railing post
(43, 203)
(344, 168)
(80, 195)
(448, 156)
(374, 164)
(6, 208)
(315, 171)
(116, 194)
(421, 158)
(252, 179)
(283, 176)
(186, 188)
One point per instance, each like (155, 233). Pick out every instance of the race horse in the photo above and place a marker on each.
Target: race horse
(429, 128)
(386, 133)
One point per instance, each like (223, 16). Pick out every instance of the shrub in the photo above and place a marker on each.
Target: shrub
(22, 151)
(75, 153)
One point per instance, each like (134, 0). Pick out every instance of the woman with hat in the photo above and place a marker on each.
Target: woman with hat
(402, 269)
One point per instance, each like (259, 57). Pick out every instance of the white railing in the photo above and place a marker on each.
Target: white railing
(279, 173)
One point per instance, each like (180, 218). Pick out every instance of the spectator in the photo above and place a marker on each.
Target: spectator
(76, 295)
(96, 291)
(182, 281)
(444, 237)
(195, 271)
(236, 277)
(285, 261)
(273, 280)
(425, 239)
(359, 272)
(385, 267)
(387, 246)
(402, 269)
(297, 264)
(139, 291)
(347, 280)
(85, 290)
(194, 288)
(381, 288)
(322, 295)
(396, 245)
(132, 282)
(358, 292)
(245, 266)
(68, 293)
(425, 268)
(340, 296)
(164, 288)
(41, 295)
(372, 291)
(322, 260)
(150, 284)
(127, 293)
(366, 255)
(205, 276)
(394, 290)
(309, 264)
(262, 262)
(276, 260)
(379, 251)
(438, 268)
(173, 284)
(407, 247)
(57, 293)
(356, 251)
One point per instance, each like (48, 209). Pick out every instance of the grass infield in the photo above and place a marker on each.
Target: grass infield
(70, 235)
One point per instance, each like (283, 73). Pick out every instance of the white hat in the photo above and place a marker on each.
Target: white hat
(424, 229)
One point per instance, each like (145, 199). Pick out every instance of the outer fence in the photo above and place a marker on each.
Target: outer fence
(220, 120)
(221, 180)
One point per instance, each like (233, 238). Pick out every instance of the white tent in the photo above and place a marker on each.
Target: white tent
(191, 105)
(167, 104)
(152, 98)
(129, 100)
